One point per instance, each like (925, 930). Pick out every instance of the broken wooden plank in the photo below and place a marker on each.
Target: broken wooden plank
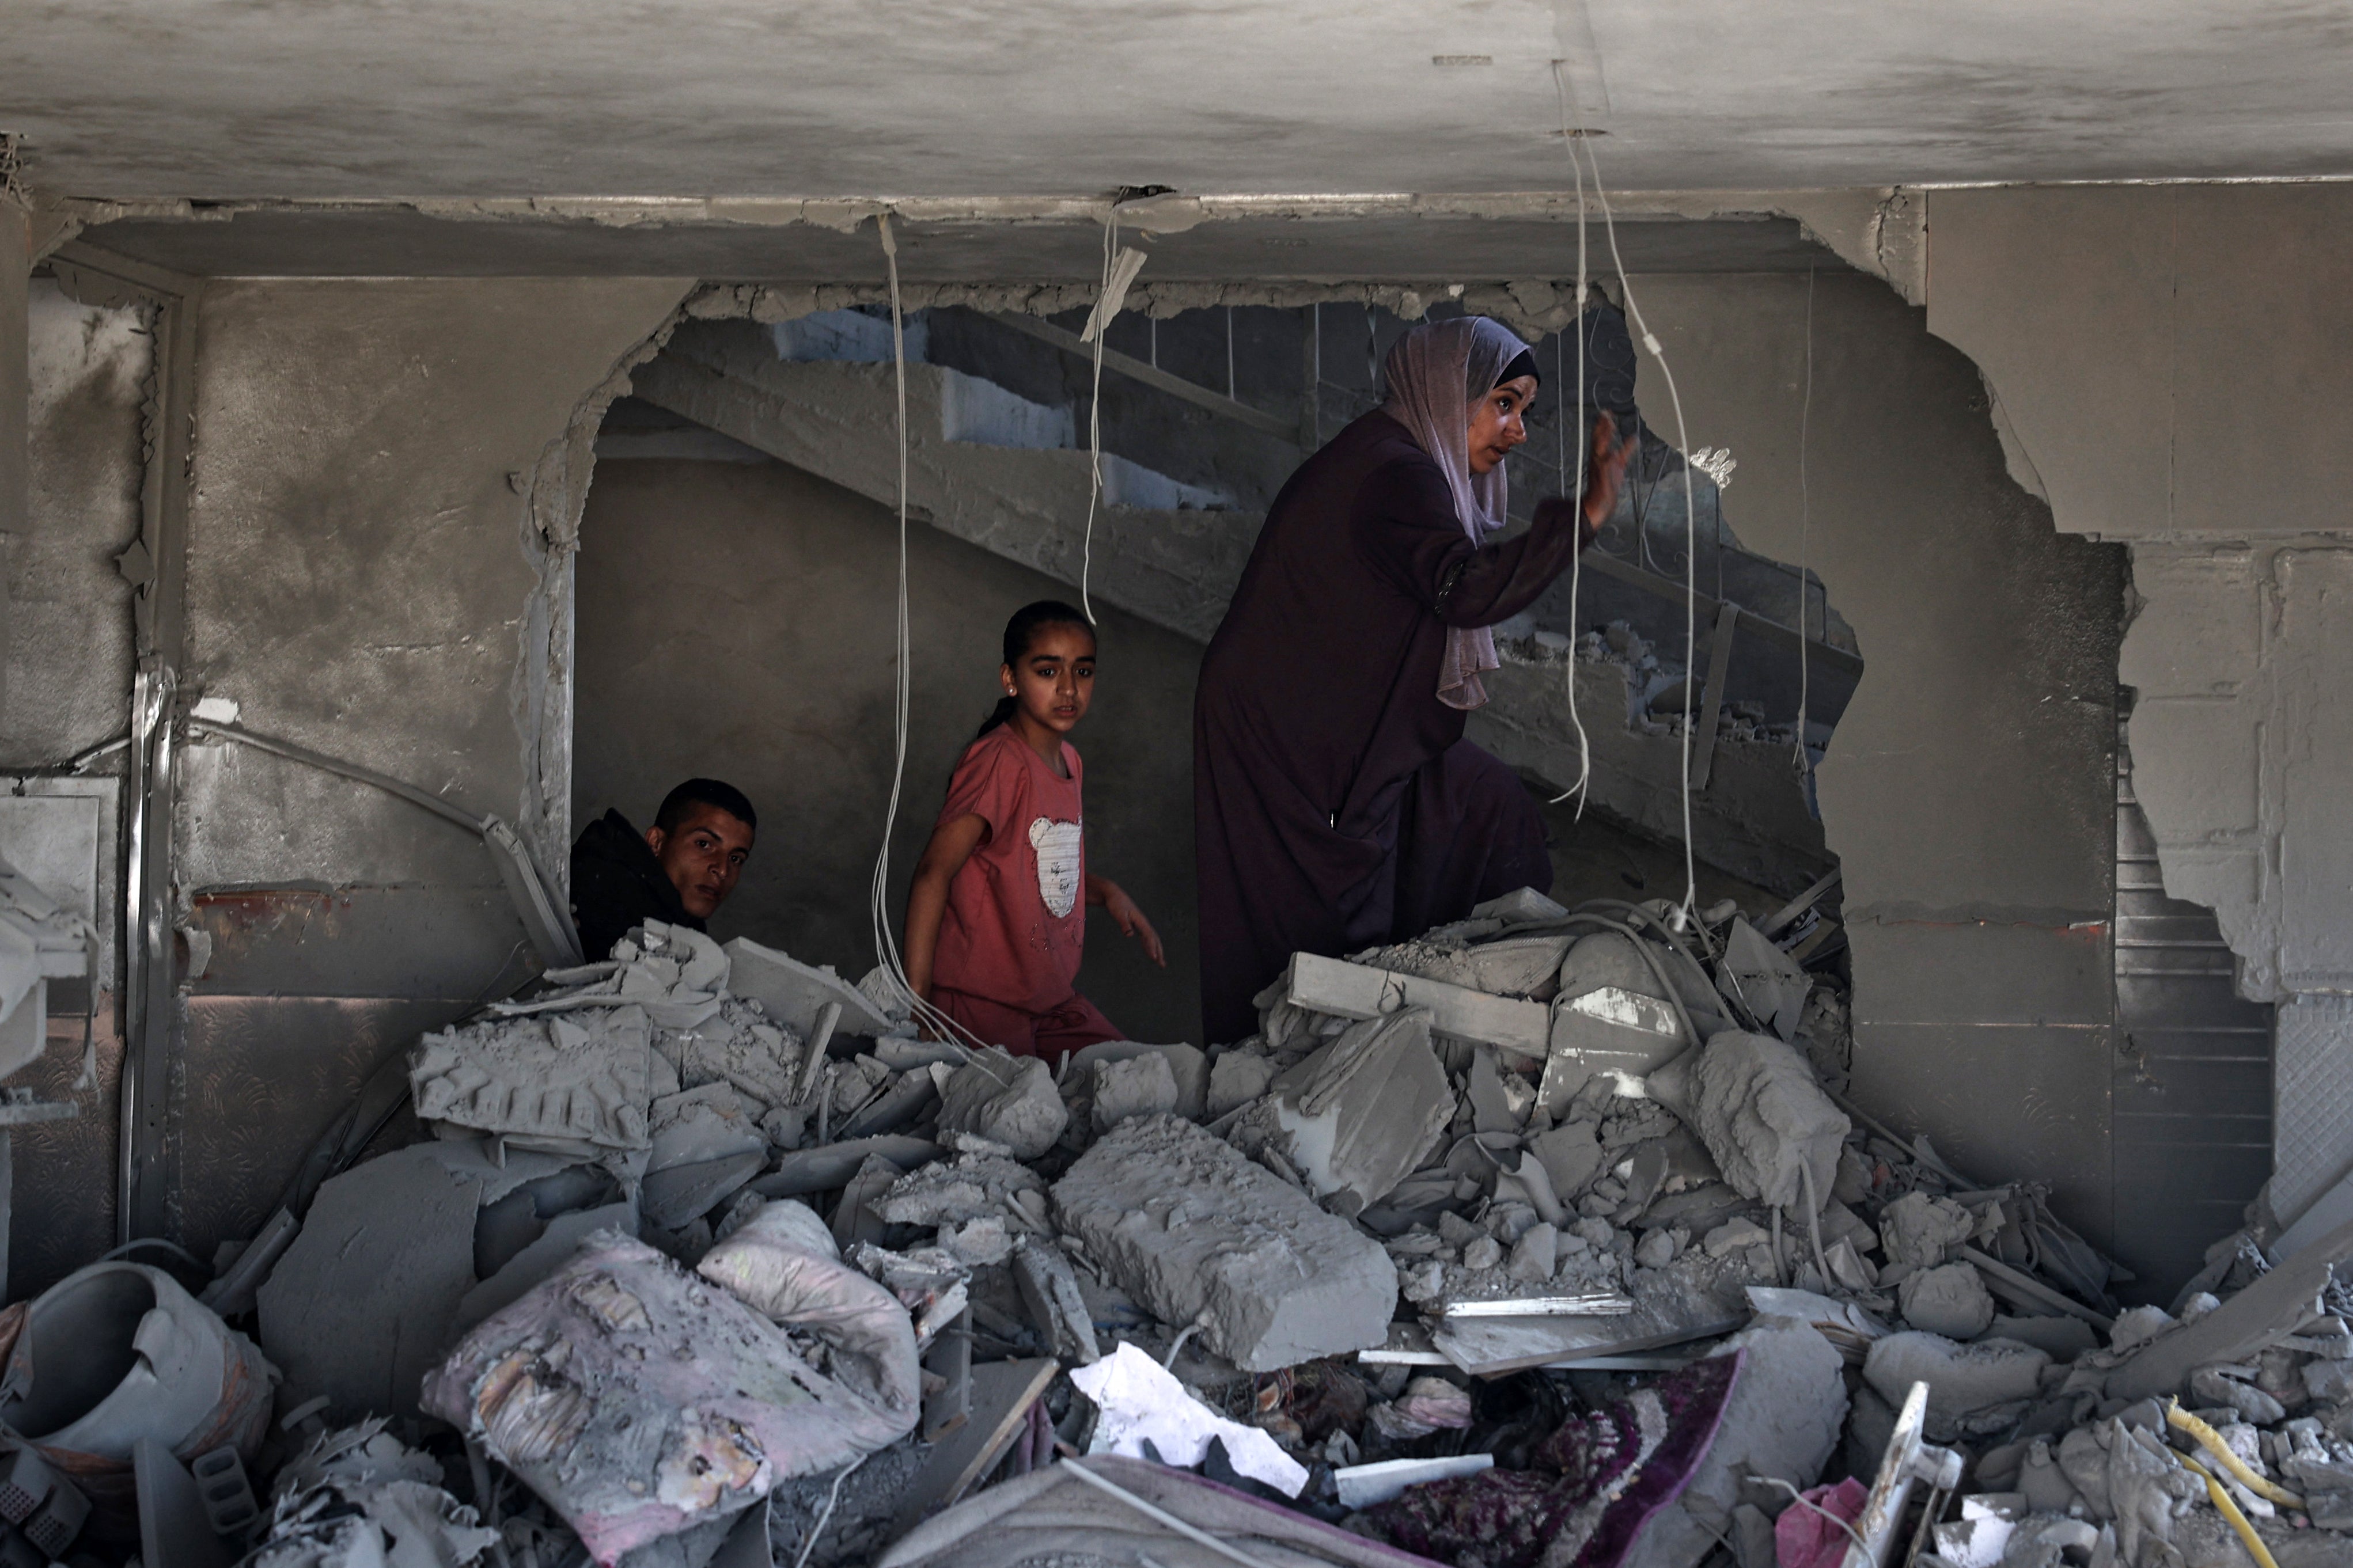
(1348, 989)
(1788, 914)
(1719, 663)
(951, 1361)
(1002, 1393)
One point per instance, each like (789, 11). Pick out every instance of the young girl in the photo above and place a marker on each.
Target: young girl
(997, 917)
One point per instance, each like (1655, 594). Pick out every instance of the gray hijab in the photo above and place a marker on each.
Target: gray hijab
(1434, 373)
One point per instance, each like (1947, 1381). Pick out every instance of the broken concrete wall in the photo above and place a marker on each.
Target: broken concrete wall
(2170, 366)
(736, 620)
(68, 621)
(66, 639)
(15, 255)
(1968, 794)
(372, 555)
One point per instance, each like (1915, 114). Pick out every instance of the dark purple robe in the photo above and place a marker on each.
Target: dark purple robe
(1336, 803)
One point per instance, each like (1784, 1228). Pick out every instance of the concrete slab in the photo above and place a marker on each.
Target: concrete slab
(366, 1298)
(1359, 1114)
(1189, 1228)
(793, 993)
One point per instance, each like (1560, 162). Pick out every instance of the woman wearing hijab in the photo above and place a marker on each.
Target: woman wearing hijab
(1336, 805)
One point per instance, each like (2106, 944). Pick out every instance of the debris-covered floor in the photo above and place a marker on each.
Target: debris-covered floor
(1546, 1239)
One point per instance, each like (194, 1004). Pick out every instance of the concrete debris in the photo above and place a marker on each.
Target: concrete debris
(1011, 1101)
(1766, 1119)
(368, 1296)
(1921, 1231)
(1966, 1381)
(1951, 1300)
(975, 1189)
(1346, 990)
(1758, 975)
(1140, 1086)
(358, 1497)
(1196, 1232)
(1138, 1402)
(1522, 906)
(2258, 1317)
(795, 995)
(1049, 1290)
(1357, 1115)
(699, 1226)
(1237, 1077)
(578, 1084)
(1188, 1069)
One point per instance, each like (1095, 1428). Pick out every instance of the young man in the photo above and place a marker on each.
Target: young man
(680, 871)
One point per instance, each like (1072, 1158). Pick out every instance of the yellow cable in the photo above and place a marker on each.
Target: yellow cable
(2211, 1441)
(2255, 1543)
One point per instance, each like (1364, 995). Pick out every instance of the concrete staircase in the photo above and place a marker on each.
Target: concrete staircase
(1008, 475)
(983, 465)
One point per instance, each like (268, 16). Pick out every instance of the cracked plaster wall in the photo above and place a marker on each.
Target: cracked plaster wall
(388, 476)
(15, 243)
(65, 643)
(2174, 366)
(68, 630)
(1968, 793)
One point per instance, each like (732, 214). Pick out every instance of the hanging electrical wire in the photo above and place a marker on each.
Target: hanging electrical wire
(886, 941)
(1576, 488)
(1119, 269)
(1689, 904)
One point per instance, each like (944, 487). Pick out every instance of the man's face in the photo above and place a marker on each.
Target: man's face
(702, 855)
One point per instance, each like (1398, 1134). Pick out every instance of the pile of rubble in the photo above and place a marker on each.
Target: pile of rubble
(1546, 1238)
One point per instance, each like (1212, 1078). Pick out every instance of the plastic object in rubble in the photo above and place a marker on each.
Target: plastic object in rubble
(227, 1494)
(173, 1532)
(1141, 1402)
(41, 1504)
(118, 1353)
(1361, 1486)
(1608, 1029)
(16, 1551)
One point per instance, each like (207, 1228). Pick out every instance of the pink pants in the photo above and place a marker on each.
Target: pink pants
(1068, 1026)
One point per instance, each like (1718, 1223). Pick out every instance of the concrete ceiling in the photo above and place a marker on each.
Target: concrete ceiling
(1408, 250)
(229, 99)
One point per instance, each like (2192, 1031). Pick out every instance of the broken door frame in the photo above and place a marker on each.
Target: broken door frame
(155, 565)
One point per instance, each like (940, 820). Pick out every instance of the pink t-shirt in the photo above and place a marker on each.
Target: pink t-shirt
(1017, 915)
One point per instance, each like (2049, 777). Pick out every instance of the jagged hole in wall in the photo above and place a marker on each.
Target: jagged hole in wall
(734, 562)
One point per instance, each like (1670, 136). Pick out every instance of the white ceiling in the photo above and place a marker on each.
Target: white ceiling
(323, 99)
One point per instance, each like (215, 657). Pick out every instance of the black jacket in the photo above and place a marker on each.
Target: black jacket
(617, 883)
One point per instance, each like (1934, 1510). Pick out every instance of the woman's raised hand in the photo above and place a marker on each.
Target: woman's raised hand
(1606, 475)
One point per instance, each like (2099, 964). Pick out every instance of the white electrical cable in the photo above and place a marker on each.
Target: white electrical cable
(1690, 906)
(1099, 328)
(824, 1516)
(1582, 788)
(886, 941)
(1805, 526)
